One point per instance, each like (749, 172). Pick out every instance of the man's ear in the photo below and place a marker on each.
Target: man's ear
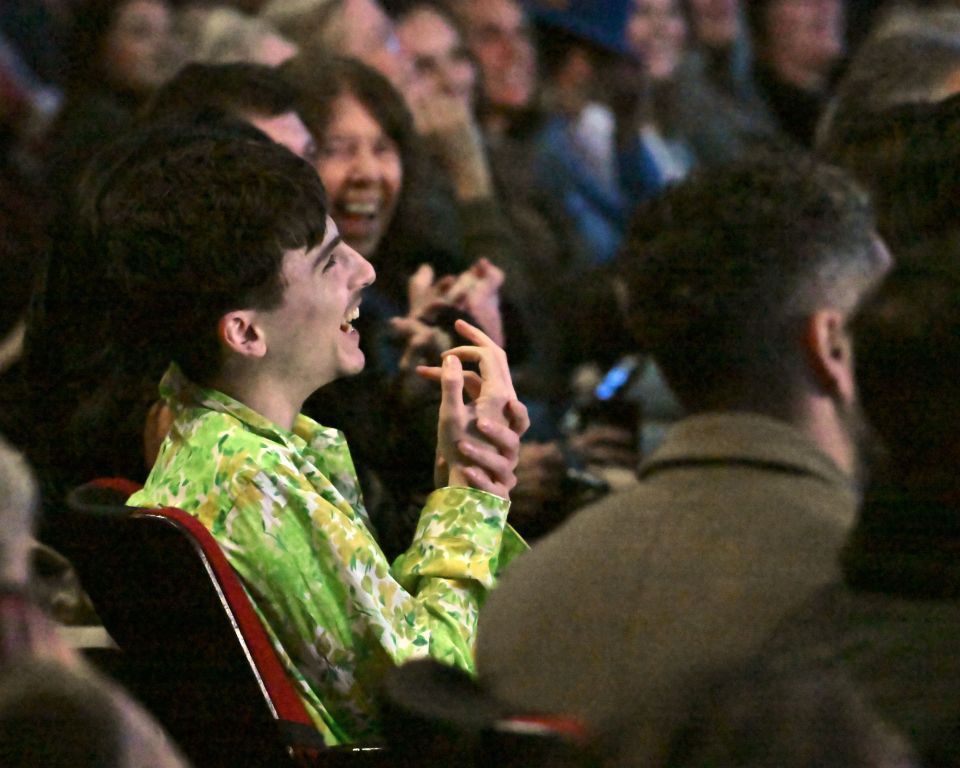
(239, 332)
(830, 352)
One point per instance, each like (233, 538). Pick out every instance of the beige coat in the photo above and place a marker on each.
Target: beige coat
(737, 520)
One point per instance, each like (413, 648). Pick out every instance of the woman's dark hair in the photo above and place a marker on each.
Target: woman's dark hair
(321, 81)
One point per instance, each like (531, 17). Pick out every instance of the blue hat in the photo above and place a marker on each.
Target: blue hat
(601, 22)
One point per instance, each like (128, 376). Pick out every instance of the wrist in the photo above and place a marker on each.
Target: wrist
(457, 477)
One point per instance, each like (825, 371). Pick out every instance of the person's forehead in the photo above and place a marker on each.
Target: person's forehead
(297, 262)
(351, 116)
(427, 27)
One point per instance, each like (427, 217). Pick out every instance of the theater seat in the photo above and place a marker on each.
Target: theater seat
(193, 648)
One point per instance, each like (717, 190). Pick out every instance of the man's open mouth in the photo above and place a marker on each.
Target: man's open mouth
(346, 326)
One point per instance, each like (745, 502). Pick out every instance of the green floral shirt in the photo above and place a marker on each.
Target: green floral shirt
(287, 510)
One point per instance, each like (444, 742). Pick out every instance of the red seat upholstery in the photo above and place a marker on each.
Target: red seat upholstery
(276, 685)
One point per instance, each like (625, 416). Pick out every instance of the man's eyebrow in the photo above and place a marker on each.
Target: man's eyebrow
(326, 251)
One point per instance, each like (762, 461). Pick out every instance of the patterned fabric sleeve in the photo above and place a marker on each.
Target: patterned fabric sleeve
(341, 614)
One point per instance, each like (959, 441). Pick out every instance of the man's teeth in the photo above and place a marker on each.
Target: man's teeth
(349, 318)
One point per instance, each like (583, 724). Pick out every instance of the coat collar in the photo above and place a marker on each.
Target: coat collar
(743, 438)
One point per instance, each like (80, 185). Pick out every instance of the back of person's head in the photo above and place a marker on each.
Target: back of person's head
(908, 158)
(238, 89)
(907, 337)
(913, 58)
(51, 717)
(749, 717)
(197, 224)
(724, 271)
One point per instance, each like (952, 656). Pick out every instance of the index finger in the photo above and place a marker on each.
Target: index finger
(474, 334)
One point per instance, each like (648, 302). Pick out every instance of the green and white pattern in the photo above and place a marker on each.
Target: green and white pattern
(287, 510)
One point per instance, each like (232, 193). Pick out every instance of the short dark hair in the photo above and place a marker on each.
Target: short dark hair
(907, 340)
(238, 89)
(195, 227)
(722, 270)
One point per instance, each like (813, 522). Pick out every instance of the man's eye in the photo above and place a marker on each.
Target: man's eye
(331, 262)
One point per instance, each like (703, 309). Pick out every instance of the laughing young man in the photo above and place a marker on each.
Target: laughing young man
(240, 275)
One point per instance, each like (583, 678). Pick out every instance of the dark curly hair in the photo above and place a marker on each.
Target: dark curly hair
(723, 270)
(193, 227)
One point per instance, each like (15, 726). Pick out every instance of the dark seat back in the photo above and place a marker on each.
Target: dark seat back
(194, 649)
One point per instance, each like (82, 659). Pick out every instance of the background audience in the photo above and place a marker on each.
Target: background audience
(54, 709)
(488, 157)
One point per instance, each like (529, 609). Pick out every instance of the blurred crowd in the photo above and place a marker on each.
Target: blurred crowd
(484, 155)
(500, 161)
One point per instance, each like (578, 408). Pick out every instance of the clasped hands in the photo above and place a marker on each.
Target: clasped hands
(478, 436)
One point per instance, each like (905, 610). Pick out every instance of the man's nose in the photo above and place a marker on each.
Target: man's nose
(364, 273)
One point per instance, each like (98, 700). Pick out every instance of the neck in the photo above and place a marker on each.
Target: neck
(262, 393)
(819, 419)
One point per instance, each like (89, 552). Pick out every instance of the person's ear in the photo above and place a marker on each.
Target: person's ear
(239, 332)
(830, 352)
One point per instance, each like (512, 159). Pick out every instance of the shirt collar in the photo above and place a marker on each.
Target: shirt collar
(182, 393)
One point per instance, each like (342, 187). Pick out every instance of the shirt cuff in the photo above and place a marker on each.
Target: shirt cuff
(458, 537)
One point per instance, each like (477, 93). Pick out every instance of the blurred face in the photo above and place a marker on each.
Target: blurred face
(656, 31)
(288, 129)
(715, 22)
(804, 38)
(361, 169)
(499, 38)
(310, 338)
(135, 49)
(439, 57)
(369, 36)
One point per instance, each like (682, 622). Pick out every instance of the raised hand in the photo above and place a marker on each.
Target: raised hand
(478, 439)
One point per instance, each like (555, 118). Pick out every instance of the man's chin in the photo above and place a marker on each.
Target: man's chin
(355, 366)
